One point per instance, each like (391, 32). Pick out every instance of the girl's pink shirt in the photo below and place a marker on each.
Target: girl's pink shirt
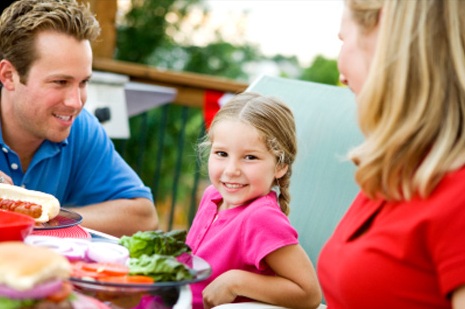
(237, 238)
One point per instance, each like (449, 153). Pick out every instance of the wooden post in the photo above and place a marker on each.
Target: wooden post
(105, 11)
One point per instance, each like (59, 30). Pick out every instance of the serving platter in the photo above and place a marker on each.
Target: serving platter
(199, 268)
(64, 219)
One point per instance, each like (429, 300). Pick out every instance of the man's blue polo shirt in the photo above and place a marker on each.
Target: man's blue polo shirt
(83, 169)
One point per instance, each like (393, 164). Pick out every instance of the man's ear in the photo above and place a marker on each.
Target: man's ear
(7, 74)
(281, 170)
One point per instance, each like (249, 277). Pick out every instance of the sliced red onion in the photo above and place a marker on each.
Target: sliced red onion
(39, 291)
(79, 249)
(73, 249)
(76, 249)
(104, 252)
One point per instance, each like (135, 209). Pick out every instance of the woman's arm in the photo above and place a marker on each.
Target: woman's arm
(294, 286)
(458, 298)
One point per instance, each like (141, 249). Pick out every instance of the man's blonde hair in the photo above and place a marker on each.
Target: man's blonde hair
(412, 106)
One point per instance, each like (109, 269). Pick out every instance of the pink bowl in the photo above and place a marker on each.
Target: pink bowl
(15, 226)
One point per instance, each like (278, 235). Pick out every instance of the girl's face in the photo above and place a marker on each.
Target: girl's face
(356, 53)
(240, 166)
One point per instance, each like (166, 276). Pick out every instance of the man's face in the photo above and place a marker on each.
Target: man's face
(46, 106)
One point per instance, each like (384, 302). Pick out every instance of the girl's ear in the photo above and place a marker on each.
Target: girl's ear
(281, 170)
(7, 72)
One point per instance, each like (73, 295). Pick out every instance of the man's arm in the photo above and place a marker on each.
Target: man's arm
(119, 217)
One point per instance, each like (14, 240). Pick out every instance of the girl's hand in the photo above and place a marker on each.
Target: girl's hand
(221, 290)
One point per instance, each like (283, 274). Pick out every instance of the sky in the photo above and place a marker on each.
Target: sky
(304, 28)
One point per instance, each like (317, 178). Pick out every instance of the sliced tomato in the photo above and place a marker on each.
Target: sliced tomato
(108, 269)
(62, 294)
(79, 272)
(135, 279)
(98, 270)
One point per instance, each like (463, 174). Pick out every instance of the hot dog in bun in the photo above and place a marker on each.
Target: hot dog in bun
(38, 205)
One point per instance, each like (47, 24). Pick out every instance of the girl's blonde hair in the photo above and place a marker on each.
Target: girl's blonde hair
(412, 106)
(275, 122)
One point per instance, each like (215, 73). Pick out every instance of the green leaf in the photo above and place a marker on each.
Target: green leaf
(155, 242)
(160, 268)
(7, 303)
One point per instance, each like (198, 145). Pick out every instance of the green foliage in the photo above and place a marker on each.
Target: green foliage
(322, 70)
(221, 59)
(145, 27)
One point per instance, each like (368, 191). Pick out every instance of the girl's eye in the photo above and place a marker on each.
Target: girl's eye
(221, 154)
(250, 157)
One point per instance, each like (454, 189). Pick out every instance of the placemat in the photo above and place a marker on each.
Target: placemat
(69, 232)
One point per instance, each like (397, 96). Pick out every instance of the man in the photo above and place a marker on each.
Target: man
(49, 142)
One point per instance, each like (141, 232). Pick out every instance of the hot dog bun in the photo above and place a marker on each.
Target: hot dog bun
(50, 204)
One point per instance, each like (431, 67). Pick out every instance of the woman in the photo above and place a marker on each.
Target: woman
(402, 242)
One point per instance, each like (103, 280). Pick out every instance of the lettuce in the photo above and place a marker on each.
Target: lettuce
(155, 242)
(153, 253)
(7, 303)
(160, 268)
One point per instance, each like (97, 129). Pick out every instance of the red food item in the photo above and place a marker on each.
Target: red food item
(26, 208)
(98, 270)
(134, 279)
(61, 294)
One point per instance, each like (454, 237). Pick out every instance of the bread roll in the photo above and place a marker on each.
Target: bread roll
(50, 204)
(24, 266)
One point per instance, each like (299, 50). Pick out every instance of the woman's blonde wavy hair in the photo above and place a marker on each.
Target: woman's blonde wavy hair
(412, 106)
(275, 122)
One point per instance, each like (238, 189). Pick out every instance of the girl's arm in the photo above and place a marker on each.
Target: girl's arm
(294, 286)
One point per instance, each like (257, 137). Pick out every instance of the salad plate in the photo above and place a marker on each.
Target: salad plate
(64, 219)
(198, 267)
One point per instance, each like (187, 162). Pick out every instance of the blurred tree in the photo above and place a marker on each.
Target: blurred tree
(322, 70)
(145, 25)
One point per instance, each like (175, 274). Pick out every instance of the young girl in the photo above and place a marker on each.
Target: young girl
(241, 228)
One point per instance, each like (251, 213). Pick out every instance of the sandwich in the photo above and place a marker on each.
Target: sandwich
(33, 277)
